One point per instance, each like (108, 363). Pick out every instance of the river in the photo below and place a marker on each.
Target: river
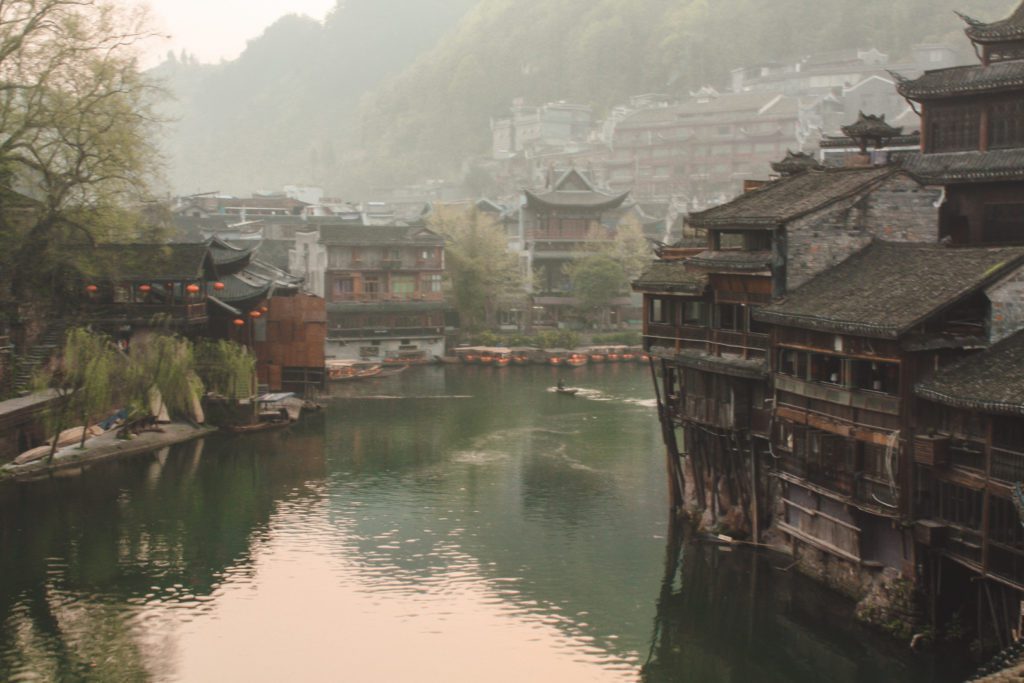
(445, 524)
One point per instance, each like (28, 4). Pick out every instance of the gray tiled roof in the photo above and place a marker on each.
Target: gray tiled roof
(575, 198)
(965, 80)
(732, 260)
(789, 198)
(370, 235)
(671, 276)
(966, 167)
(888, 288)
(1006, 29)
(991, 381)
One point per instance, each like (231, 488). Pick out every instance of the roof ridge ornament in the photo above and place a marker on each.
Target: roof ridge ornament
(969, 20)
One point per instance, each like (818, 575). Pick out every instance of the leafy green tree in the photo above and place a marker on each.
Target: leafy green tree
(482, 274)
(596, 280)
(88, 373)
(166, 363)
(226, 368)
(75, 128)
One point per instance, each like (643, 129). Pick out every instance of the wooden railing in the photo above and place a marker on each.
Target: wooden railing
(1007, 465)
(373, 297)
(712, 341)
(190, 312)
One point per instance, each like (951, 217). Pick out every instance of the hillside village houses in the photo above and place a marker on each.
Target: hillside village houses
(843, 354)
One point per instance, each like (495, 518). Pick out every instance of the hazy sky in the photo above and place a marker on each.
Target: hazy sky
(215, 29)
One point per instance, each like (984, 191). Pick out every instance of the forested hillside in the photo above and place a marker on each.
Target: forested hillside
(284, 111)
(324, 104)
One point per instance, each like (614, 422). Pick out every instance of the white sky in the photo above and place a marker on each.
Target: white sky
(216, 29)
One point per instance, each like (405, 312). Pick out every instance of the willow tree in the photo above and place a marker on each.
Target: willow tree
(76, 120)
(86, 377)
(165, 363)
(226, 368)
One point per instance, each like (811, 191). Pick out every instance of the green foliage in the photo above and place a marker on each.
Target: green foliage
(626, 337)
(166, 363)
(596, 280)
(547, 339)
(481, 272)
(89, 375)
(557, 339)
(226, 368)
(75, 126)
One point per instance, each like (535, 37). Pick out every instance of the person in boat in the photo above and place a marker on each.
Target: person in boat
(561, 385)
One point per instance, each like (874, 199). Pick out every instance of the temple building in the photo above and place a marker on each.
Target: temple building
(559, 224)
(972, 143)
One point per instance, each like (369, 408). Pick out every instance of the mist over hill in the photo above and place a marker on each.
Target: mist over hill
(390, 91)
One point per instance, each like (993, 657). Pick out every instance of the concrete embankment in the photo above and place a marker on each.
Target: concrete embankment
(104, 447)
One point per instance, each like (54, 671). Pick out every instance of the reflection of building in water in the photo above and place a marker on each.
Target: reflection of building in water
(734, 615)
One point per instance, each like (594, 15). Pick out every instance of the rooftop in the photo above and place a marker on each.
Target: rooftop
(671, 276)
(149, 262)
(1011, 28)
(888, 288)
(791, 197)
(991, 381)
(369, 235)
(966, 167)
(965, 80)
(574, 190)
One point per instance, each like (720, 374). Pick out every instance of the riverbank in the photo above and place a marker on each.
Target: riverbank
(104, 447)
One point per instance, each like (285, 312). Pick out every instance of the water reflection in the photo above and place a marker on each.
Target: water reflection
(418, 535)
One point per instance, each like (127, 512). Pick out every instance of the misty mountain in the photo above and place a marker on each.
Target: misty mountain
(284, 110)
(384, 93)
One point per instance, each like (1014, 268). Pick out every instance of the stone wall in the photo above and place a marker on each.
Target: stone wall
(1007, 313)
(898, 210)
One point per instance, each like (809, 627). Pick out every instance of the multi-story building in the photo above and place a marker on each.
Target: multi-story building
(552, 124)
(704, 148)
(384, 290)
(848, 348)
(713, 351)
(558, 225)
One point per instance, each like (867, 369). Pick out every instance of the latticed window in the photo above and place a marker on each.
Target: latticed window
(953, 129)
(1006, 124)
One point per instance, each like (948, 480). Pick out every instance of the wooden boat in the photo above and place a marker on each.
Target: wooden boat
(556, 357)
(468, 354)
(577, 359)
(346, 370)
(565, 391)
(393, 370)
(615, 353)
(522, 355)
(486, 356)
(597, 354)
(262, 426)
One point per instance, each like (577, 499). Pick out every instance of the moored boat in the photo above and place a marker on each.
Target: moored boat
(345, 370)
(521, 355)
(556, 357)
(577, 359)
(468, 354)
(597, 354)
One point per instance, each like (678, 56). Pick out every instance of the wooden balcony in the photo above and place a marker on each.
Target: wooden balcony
(377, 297)
(1007, 465)
(836, 409)
(711, 341)
(193, 313)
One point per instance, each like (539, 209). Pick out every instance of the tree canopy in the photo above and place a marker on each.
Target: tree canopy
(481, 272)
(76, 119)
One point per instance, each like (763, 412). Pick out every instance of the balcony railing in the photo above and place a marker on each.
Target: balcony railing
(139, 312)
(1007, 465)
(712, 341)
(375, 297)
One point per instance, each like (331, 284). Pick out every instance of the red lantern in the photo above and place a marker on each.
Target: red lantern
(218, 286)
(145, 289)
(254, 314)
(92, 289)
(263, 309)
(192, 289)
(238, 322)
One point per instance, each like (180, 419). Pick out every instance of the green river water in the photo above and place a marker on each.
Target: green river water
(445, 524)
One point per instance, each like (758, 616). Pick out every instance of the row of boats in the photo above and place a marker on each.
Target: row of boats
(500, 356)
